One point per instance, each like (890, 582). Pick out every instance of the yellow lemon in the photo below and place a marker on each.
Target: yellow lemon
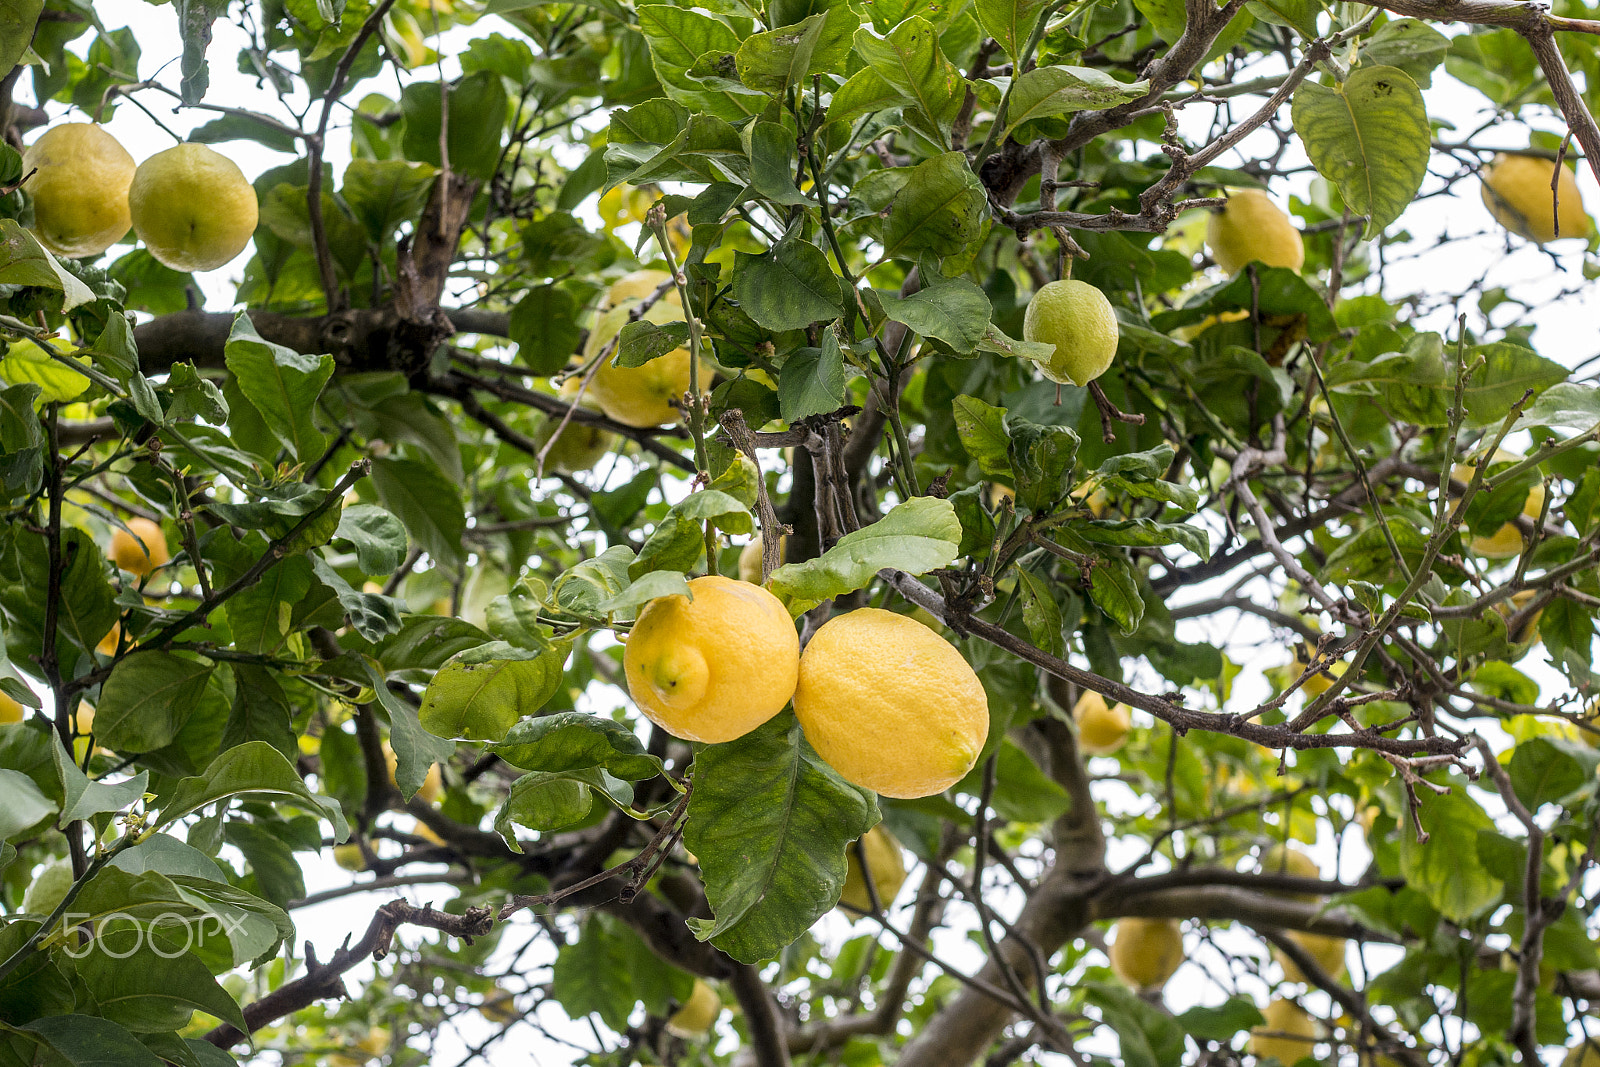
(499, 1007)
(713, 668)
(1000, 495)
(1291, 860)
(139, 549)
(1078, 319)
(1506, 541)
(1329, 952)
(1528, 631)
(11, 711)
(1102, 729)
(1516, 190)
(638, 396)
(192, 207)
(426, 832)
(581, 445)
(1318, 683)
(1146, 952)
(432, 785)
(885, 864)
(698, 1014)
(349, 857)
(375, 1044)
(750, 558)
(1252, 228)
(80, 190)
(1287, 1036)
(890, 704)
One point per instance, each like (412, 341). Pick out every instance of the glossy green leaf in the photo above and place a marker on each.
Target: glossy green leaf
(283, 386)
(481, 693)
(147, 699)
(918, 536)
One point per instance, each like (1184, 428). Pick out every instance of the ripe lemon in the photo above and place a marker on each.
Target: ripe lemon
(11, 711)
(1528, 632)
(128, 553)
(697, 1014)
(1516, 190)
(375, 1044)
(1076, 318)
(581, 445)
(750, 558)
(890, 704)
(638, 396)
(1506, 541)
(1329, 952)
(192, 207)
(426, 832)
(108, 643)
(432, 787)
(1318, 683)
(1102, 729)
(713, 668)
(349, 857)
(1146, 952)
(1292, 1033)
(499, 1007)
(80, 193)
(885, 863)
(1252, 228)
(1291, 860)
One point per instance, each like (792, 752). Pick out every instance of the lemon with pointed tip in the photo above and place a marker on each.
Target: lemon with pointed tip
(1102, 728)
(79, 188)
(698, 1013)
(1328, 952)
(192, 207)
(890, 705)
(646, 395)
(1516, 190)
(1146, 952)
(1251, 228)
(1079, 320)
(1288, 1034)
(139, 549)
(714, 667)
(885, 863)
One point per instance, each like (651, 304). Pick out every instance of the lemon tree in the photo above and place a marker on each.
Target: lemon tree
(798, 533)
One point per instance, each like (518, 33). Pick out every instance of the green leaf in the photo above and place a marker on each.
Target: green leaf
(909, 59)
(1223, 1021)
(243, 127)
(481, 693)
(22, 804)
(769, 822)
(1041, 457)
(147, 699)
(17, 19)
(679, 539)
(867, 90)
(1009, 21)
(1147, 1035)
(24, 261)
(84, 1041)
(955, 312)
(373, 615)
(1115, 591)
(544, 327)
(426, 501)
(254, 767)
(982, 429)
(920, 535)
(773, 61)
(281, 384)
(591, 974)
(641, 341)
(679, 38)
(1048, 91)
(383, 193)
(941, 209)
(137, 986)
(1409, 44)
(1040, 613)
(1370, 137)
(788, 287)
(648, 587)
(22, 441)
(377, 536)
(1144, 532)
(545, 802)
(812, 381)
(82, 797)
(1570, 405)
(772, 156)
(477, 114)
(577, 741)
(1543, 771)
(1446, 868)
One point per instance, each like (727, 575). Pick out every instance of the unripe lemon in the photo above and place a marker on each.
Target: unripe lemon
(890, 704)
(135, 557)
(1076, 318)
(1516, 190)
(750, 558)
(581, 445)
(698, 1014)
(192, 207)
(713, 668)
(1102, 729)
(638, 396)
(1287, 1036)
(49, 889)
(349, 857)
(885, 863)
(80, 193)
(1329, 952)
(1146, 952)
(1252, 228)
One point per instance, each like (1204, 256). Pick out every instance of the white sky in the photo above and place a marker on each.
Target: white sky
(1566, 333)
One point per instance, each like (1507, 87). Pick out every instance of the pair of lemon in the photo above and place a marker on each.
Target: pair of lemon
(884, 700)
(190, 205)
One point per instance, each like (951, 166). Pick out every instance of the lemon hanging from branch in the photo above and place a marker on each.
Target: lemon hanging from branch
(1078, 319)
